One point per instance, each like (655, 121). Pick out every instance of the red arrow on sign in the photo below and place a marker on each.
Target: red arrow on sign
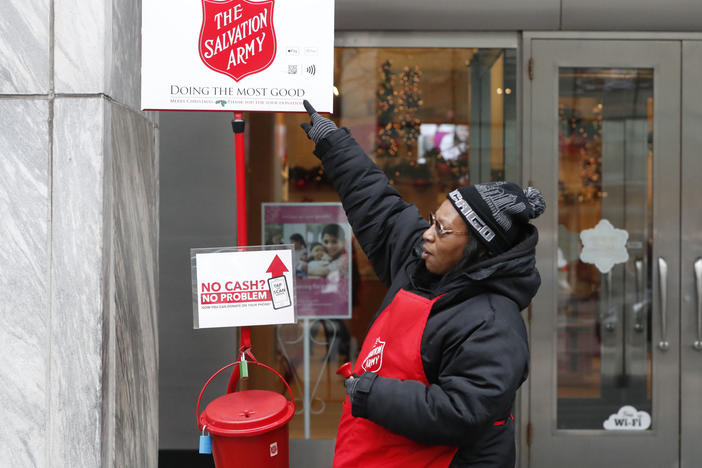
(277, 267)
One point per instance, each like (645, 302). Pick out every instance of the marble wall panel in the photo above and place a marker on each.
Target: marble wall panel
(77, 282)
(24, 281)
(24, 47)
(125, 56)
(81, 30)
(135, 231)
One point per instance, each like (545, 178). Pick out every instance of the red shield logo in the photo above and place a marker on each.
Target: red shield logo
(237, 36)
(374, 360)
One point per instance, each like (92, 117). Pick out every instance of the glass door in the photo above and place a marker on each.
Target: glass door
(691, 258)
(605, 133)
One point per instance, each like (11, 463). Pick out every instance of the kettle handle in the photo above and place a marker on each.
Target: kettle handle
(236, 363)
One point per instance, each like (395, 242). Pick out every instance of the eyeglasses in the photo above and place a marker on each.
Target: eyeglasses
(440, 231)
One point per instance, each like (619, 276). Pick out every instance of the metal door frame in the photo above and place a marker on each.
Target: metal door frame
(664, 58)
(691, 250)
(523, 65)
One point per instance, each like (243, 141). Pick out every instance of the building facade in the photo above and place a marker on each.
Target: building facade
(594, 103)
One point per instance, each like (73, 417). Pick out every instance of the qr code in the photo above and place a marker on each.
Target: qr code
(292, 69)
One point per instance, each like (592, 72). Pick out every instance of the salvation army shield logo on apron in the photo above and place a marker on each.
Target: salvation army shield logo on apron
(237, 36)
(374, 360)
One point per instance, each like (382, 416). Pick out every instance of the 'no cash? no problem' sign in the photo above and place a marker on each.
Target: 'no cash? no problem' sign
(234, 287)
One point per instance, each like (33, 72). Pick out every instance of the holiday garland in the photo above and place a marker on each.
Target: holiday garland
(410, 102)
(386, 140)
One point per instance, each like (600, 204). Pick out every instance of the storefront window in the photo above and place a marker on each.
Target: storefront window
(432, 119)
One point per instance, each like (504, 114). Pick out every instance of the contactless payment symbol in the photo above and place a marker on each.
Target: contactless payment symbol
(280, 293)
(237, 37)
(374, 360)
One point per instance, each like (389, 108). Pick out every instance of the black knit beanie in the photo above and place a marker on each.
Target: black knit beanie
(497, 212)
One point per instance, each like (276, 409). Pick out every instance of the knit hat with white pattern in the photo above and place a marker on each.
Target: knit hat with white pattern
(496, 212)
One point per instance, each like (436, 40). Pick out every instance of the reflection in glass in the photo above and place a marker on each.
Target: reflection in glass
(605, 140)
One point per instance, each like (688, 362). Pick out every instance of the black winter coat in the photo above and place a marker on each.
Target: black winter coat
(474, 348)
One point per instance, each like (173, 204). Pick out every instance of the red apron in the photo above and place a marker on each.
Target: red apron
(391, 349)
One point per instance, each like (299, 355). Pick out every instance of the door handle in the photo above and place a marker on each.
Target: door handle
(610, 316)
(640, 296)
(698, 283)
(663, 345)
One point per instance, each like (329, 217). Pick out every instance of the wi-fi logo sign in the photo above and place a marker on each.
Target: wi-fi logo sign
(311, 69)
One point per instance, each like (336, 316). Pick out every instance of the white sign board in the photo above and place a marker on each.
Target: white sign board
(237, 55)
(628, 418)
(604, 246)
(236, 287)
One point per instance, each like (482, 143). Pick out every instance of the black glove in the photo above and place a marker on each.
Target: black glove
(350, 385)
(358, 389)
(319, 127)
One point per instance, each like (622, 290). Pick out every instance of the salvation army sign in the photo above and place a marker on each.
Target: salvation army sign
(237, 37)
(234, 287)
(237, 55)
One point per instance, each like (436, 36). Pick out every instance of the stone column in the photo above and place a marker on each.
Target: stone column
(78, 238)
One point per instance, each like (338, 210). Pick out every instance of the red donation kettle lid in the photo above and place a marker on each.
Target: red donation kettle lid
(247, 413)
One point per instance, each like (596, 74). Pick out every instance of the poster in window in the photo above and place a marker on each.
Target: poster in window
(321, 237)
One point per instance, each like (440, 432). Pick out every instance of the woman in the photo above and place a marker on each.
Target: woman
(442, 360)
